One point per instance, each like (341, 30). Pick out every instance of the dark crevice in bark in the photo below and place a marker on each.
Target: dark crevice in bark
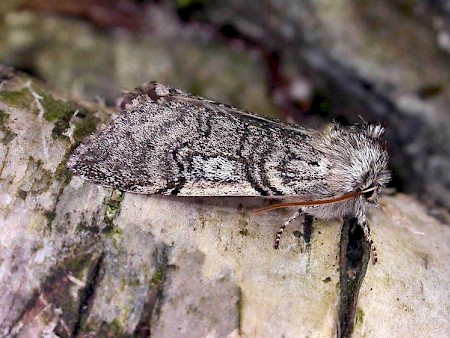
(155, 294)
(19, 321)
(354, 258)
(86, 296)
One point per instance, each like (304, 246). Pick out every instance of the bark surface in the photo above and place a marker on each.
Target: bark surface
(77, 259)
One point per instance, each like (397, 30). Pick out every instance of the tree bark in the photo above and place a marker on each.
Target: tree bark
(77, 259)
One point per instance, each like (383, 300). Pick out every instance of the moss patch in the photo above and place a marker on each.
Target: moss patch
(22, 194)
(42, 178)
(112, 231)
(50, 215)
(57, 111)
(244, 232)
(3, 118)
(8, 135)
(54, 109)
(188, 3)
(60, 113)
(62, 174)
(83, 226)
(112, 207)
(240, 309)
(359, 315)
(86, 126)
(157, 278)
(58, 289)
(19, 99)
(112, 329)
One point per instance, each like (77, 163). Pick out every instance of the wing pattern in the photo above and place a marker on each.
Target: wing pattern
(168, 142)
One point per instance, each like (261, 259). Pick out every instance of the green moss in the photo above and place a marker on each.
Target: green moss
(19, 99)
(50, 215)
(22, 194)
(8, 135)
(244, 232)
(112, 231)
(157, 278)
(62, 174)
(240, 308)
(56, 286)
(243, 222)
(188, 3)
(86, 126)
(359, 315)
(297, 233)
(112, 206)
(103, 329)
(83, 226)
(57, 111)
(78, 265)
(3, 117)
(60, 113)
(191, 309)
(114, 328)
(114, 234)
(54, 109)
(60, 127)
(206, 219)
(43, 178)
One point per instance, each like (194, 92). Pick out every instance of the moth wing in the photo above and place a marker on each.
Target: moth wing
(168, 142)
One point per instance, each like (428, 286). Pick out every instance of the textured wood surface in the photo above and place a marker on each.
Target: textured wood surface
(77, 259)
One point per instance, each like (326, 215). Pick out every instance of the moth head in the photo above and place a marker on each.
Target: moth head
(358, 161)
(371, 193)
(375, 174)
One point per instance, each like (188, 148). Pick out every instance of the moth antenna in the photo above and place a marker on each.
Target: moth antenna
(312, 203)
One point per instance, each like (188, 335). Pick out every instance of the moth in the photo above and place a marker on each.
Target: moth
(166, 141)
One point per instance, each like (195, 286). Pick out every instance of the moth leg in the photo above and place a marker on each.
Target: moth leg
(365, 226)
(285, 224)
